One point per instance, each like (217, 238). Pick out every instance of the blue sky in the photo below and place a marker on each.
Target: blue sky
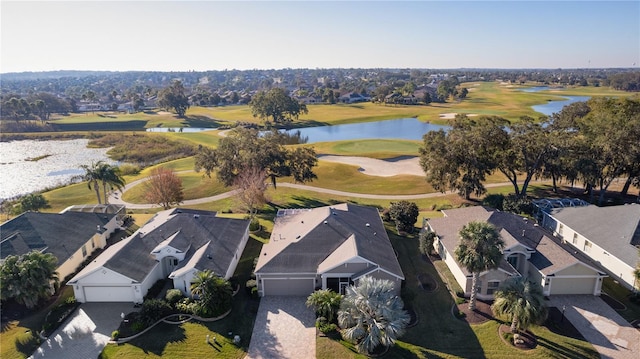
(215, 35)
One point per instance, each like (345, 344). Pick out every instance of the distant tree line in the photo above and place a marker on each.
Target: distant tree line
(593, 142)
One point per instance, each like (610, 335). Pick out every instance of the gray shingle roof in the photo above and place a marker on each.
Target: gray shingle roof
(322, 231)
(615, 229)
(548, 258)
(60, 234)
(192, 230)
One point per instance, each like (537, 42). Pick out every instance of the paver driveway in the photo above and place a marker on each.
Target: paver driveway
(85, 333)
(284, 329)
(610, 334)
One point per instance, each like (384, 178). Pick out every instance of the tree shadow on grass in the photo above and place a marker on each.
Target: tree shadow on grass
(201, 121)
(310, 123)
(565, 351)
(156, 340)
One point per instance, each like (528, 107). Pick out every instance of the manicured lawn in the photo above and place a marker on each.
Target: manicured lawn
(18, 338)
(194, 184)
(439, 335)
(188, 340)
(620, 293)
(381, 149)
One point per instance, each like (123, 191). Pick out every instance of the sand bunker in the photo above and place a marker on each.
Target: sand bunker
(381, 168)
(452, 115)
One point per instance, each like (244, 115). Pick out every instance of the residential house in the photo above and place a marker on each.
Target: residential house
(174, 244)
(528, 252)
(352, 97)
(610, 236)
(70, 236)
(327, 247)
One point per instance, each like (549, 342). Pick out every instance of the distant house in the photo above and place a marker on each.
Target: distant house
(610, 236)
(352, 97)
(327, 247)
(174, 244)
(529, 252)
(70, 236)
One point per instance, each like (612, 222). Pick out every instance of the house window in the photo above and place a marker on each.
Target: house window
(479, 286)
(93, 243)
(492, 286)
(513, 260)
(560, 229)
(587, 246)
(575, 238)
(175, 262)
(84, 251)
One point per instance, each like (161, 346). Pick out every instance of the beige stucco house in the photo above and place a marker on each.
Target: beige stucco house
(71, 236)
(609, 236)
(174, 244)
(327, 247)
(529, 252)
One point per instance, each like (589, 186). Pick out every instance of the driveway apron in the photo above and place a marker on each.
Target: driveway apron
(284, 328)
(85, 333)
(610, 334)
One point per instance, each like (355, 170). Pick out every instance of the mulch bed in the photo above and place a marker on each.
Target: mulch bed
(528, 341)
(481, 314)
(427, 282)
(613, 303)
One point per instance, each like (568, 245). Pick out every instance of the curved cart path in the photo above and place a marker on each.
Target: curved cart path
(116, 197)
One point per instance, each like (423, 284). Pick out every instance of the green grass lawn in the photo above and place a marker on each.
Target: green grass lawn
(439, 335)
(188, 340)
(621, 294)
(381, 149)
(194, 184)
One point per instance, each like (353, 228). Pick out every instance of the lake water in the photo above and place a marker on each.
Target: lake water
(403, 128)
(20, 176)
(552, 107)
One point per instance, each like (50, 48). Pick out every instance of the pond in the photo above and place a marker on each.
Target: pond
(552, 107)
(28, 166)
(403, 128)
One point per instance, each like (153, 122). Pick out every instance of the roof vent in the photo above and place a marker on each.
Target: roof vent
(523, 232)
(368, 225)
(209, 256)
(98, 228)
(196, 216)
(375, 233)
(325, 222)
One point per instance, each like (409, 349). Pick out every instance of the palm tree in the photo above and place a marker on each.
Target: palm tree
(522, 301)
(93, 174)
(325, 302)
(29, 277)
(371, 314)
(480, 249)
(213, 293)
(110, 175)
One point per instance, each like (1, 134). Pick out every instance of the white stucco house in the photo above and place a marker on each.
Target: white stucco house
(529, 252)
(325, 248)
(70, 236)
(609, 236)
(174, 244)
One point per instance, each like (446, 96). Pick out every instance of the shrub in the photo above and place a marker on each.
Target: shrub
(254, 292)
(187, 306)
(138, 326)
(128, 169)
(324, 326)
(426, 240)
(494, 200)
(386, 216)
(518, 205)
(254, 225)
(459, 294)
(404, 214)
(173, 296)
(251, 283)
(460, 314)
(153, 310)
(460, 300)
(115, 334)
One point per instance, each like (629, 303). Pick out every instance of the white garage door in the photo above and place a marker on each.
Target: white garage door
(290, 287)
(572, 285)
(108, 294)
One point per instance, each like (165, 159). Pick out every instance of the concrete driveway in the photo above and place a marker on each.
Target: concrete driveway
(284, 328)
(85, 333)
(610, 334)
